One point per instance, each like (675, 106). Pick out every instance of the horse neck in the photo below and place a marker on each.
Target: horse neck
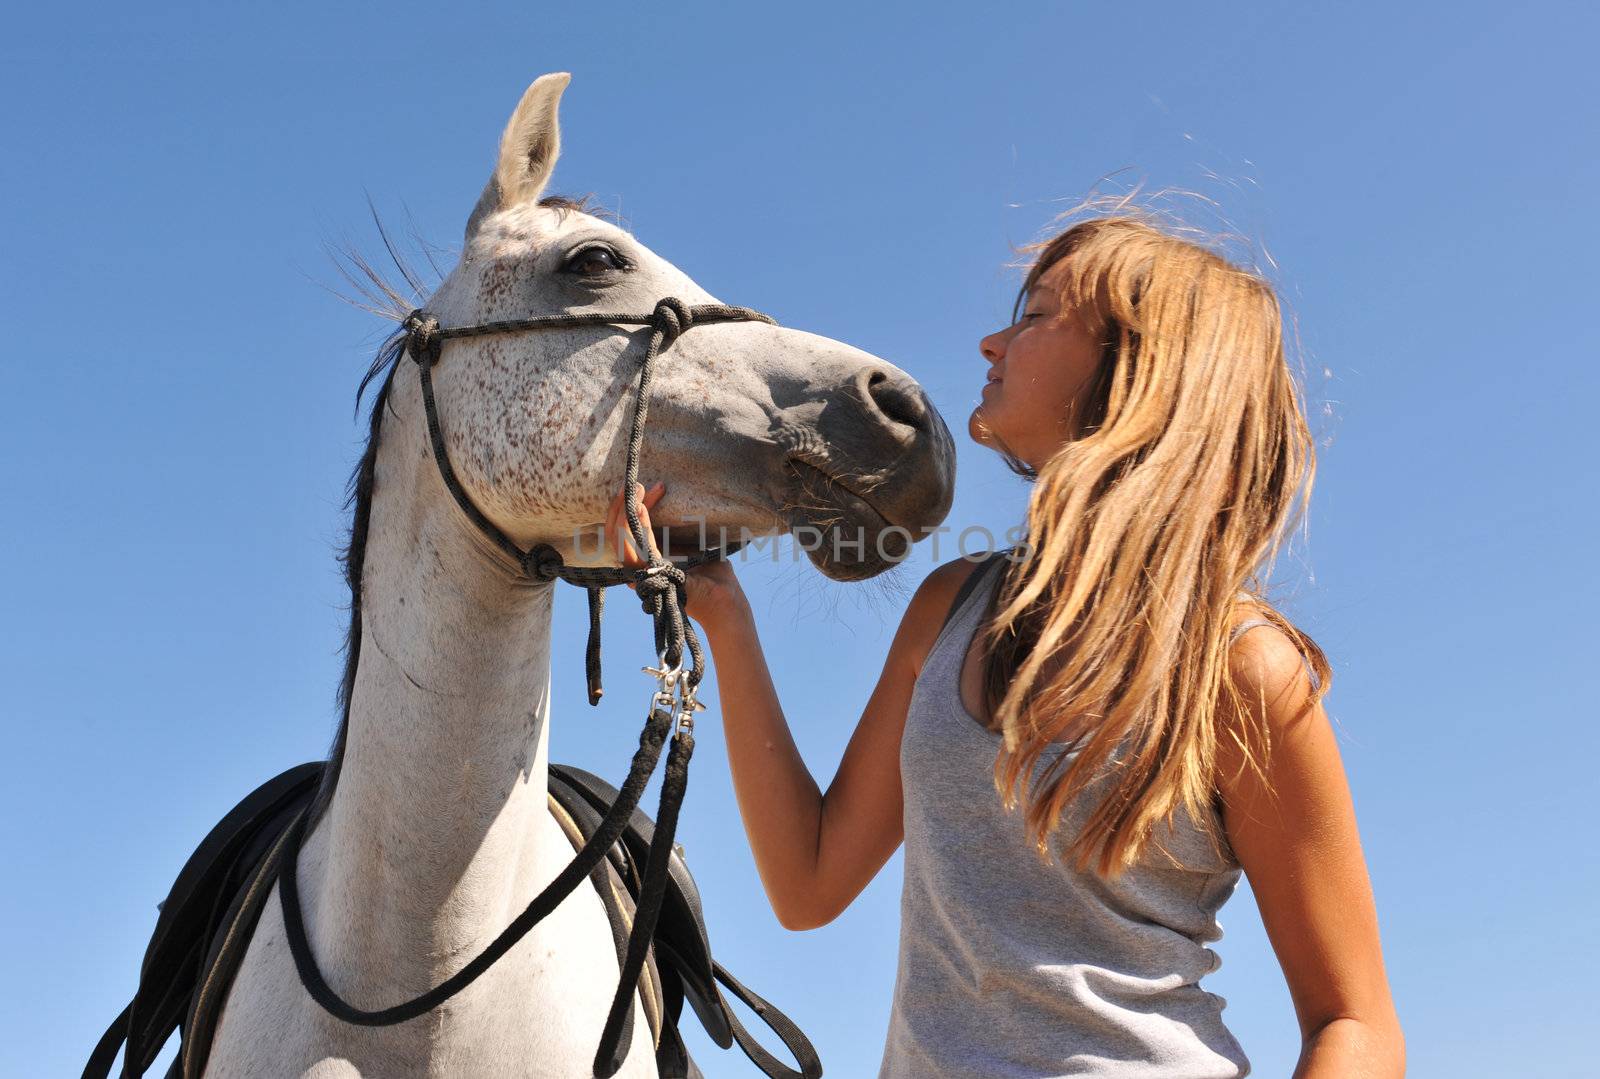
(425, 848)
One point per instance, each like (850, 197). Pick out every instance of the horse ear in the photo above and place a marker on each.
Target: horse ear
(528, 150)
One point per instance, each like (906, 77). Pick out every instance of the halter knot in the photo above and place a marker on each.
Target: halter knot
(671, 318)
(422, 337)
(654, 583)
(543, 562)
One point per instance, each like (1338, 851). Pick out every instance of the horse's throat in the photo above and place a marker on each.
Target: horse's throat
(431, 842)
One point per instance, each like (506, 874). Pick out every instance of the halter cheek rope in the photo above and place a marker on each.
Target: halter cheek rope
(660, 585)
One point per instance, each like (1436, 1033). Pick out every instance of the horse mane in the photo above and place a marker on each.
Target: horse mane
(390, 300)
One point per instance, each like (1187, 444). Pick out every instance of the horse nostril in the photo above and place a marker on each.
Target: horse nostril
(898, 398)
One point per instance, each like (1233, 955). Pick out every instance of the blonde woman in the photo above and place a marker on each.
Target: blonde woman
(1084, 743)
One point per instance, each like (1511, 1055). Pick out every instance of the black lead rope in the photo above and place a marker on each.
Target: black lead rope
(613, 1048)
(660, 585)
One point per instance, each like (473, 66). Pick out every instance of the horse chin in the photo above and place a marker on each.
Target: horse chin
(842, 548)
(850, 551)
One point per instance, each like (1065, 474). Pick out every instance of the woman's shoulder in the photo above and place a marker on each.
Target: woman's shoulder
(951, 582)
(935, 600)
(1263, 655)
(954, 573)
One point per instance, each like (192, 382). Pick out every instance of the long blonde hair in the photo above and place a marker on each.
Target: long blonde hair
(1107, 641)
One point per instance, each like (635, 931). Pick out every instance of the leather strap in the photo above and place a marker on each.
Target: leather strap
(619, 905)
(224, 958)
(682, 918)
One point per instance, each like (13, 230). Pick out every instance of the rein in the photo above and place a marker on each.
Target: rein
(661, 588)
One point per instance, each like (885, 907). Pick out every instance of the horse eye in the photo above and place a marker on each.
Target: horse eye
(593, 261)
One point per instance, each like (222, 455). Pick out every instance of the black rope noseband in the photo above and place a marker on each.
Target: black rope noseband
(661, 588)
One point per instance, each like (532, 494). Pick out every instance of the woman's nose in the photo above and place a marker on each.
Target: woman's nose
(993, 347)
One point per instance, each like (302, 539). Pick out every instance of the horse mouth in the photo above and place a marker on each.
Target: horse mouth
(815, 479)
(833, 520)
(840, 527)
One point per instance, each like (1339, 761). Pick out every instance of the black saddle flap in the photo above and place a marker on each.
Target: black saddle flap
(197, 902)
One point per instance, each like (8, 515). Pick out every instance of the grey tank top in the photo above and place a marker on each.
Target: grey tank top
(1011, 968)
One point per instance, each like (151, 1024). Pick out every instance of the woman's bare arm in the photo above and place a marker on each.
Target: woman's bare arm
(817, 851)
(1296, 838)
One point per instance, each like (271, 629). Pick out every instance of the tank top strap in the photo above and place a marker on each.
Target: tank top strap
(1251, 623)
(971, 588)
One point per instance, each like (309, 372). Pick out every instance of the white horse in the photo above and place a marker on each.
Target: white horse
(437, 832)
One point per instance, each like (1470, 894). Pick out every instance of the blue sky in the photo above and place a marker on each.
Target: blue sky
(179, 423)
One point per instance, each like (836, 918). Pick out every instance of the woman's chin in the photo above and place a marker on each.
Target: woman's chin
(978, 428)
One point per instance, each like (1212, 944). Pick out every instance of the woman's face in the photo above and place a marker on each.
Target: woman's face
(1039, 368)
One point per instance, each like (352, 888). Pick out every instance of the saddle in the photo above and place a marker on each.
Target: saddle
(206, 922)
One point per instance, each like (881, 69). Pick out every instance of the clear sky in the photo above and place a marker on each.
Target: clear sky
(179, 389)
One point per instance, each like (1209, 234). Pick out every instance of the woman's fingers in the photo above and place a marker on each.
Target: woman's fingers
(617, 523)
(647, 499)
(708, 586)
(625, 551)
(615, 532)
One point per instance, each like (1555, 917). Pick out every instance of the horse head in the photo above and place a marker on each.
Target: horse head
(759, 429)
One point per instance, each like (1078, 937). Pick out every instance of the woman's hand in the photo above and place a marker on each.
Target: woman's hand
(712, 591)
